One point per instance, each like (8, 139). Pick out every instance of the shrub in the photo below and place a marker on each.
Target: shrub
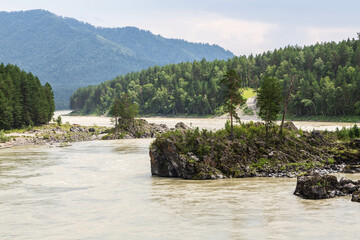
(356, 131)
(348, 133)
(331, 160)
(59, 120)
(248, 111)
(3, 137)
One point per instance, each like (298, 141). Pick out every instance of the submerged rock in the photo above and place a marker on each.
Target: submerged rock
(318, 186)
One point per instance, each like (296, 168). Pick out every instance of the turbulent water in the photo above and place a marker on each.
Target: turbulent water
(104, 190)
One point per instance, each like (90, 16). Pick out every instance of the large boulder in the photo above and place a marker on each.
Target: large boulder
(181, 126)
(317, 186)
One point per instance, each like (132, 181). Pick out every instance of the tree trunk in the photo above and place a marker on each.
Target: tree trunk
(231, 117)
(286, 105)
(116, 126)
(267, 132)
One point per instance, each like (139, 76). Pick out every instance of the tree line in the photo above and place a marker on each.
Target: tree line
(23, 100)
(323, 79)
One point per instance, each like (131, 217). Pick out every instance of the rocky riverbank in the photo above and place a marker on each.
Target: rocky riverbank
(195, 154)
(54, 134)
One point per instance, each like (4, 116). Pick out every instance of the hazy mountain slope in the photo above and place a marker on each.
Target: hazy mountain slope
(69, 54)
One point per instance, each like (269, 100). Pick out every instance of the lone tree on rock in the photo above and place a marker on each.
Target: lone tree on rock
(269, 96)
(233, 97)
(123, 112)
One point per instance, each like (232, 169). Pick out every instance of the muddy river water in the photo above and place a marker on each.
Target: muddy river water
(104, 190)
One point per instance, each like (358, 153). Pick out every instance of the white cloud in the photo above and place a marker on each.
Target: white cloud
(329, 34)
(239, 36)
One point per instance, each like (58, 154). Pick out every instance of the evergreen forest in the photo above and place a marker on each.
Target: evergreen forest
(323, 79)
(24, 101)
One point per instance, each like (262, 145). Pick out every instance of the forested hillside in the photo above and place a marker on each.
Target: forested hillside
(23, 100)
(70, 54)
(326, 81)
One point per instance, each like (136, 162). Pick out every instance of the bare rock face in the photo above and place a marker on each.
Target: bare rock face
(167, 162)
(317, 186)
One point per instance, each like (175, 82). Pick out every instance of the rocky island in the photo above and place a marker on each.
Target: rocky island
(201, 154)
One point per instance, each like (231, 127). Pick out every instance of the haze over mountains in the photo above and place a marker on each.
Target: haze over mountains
(70, 54)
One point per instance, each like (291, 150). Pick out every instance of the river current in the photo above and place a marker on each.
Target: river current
(104, 190)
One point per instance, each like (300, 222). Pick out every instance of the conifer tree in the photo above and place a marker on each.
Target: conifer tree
(23, 100)
(232, 83)
(268, 100)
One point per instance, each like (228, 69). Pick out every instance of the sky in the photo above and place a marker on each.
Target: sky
(242, 26)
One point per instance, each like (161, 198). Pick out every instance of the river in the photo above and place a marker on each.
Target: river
(208, 123)
(104, 190)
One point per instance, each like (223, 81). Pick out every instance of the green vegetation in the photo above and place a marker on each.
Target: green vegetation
(58, 120)
(203, 152)
(248, 93)
(70, 54)
(247, 111)
(348, 133)
(319, 118)
(3, 137)
(324, 78)
(269, 98)
(232, 94)
(23, 100)
(123, 112)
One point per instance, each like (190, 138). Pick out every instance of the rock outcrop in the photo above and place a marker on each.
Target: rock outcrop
(166, 162)
(139, 128)
(318, 186)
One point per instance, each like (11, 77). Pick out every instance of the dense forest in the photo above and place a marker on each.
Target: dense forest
(323, 79)
(23, 100)
(70, 54)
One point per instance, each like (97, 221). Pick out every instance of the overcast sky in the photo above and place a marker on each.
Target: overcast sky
(241, 26)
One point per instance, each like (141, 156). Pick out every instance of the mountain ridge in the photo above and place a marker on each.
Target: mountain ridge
(70, 54)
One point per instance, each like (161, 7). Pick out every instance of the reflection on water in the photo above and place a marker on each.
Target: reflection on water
(104, 190)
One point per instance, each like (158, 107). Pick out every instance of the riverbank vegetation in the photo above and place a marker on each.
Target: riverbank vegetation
(324, 79)
(322, 118)
(203, 154)
(23, 100)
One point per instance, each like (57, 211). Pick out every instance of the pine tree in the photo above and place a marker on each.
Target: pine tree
(268, 100)
(232, 83)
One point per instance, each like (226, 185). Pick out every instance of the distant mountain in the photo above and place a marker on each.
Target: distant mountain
(70, 54)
